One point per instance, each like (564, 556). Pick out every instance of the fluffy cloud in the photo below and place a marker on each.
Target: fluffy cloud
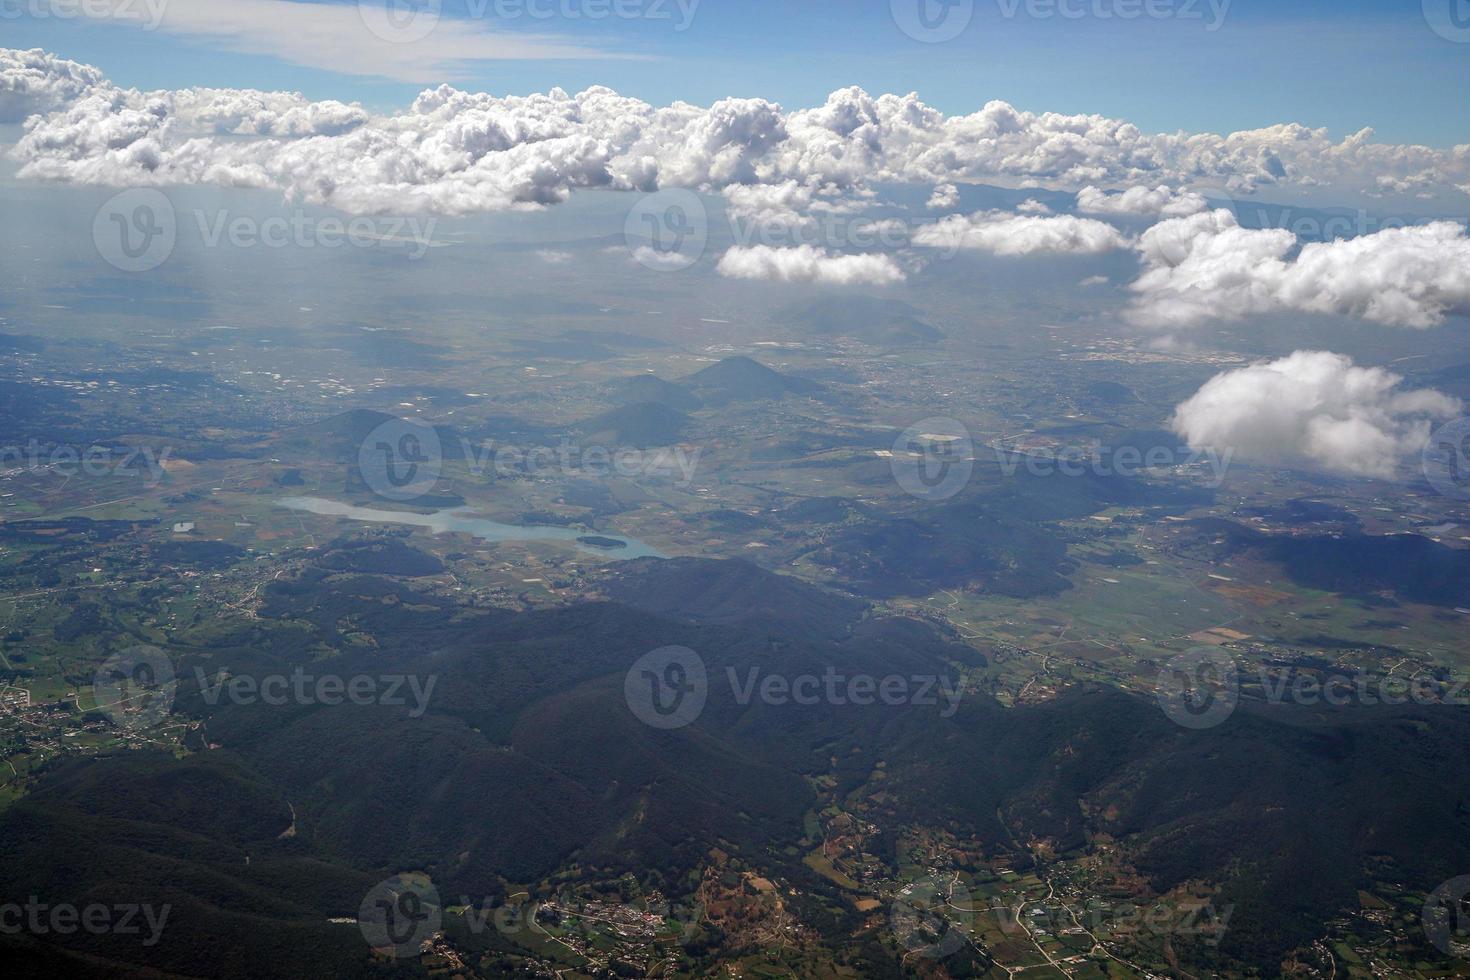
(807, 263)
(1011, 234)
(453, 151)
(946, 197)
(246, 112)
(1206, 266)
(34, 81)
(1313, 408)
(1141, 202)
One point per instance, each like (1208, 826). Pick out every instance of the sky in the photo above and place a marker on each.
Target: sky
(1165, 155)
(1401, 67)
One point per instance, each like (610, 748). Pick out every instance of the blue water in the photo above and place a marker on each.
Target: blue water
(461, 520)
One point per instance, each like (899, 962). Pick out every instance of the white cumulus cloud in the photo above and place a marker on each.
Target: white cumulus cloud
(454, 151)
(946, 197)
(34, 81)
(1141, 202)
(1001, 233)
(1313, 408)
(807, 263)
(1208, 267)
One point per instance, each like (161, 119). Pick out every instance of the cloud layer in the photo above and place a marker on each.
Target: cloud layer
(1208, 267)
(453, 151)
(34, 81)
(1141, 202)
(1313, 408)
(807, 263)
(1001, 233)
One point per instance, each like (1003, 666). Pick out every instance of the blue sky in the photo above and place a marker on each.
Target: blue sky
(1344, 64)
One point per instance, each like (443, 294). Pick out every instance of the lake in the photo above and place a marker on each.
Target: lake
(461, 520)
